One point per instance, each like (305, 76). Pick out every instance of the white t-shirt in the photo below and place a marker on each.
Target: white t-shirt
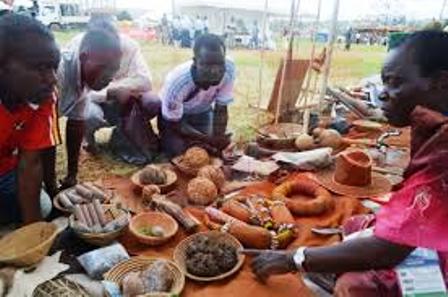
(179, 85)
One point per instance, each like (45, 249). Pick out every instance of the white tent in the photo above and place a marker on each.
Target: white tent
(219, 13)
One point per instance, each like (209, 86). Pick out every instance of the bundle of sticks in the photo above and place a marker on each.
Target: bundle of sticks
(187, 220)
(82, 193)
(92, 218)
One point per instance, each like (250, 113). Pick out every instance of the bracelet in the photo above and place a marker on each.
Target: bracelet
(299, 259)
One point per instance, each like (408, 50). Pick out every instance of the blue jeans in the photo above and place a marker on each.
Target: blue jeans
(9, 203)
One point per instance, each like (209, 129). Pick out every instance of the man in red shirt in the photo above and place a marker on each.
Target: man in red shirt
(29, 58)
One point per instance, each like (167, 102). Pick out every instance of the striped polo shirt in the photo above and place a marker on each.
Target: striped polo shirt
(179, 85)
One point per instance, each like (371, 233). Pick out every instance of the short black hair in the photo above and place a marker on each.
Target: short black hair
(17, 28)
(429, 49)
(102, 21)
(209, 41)
(99, 40)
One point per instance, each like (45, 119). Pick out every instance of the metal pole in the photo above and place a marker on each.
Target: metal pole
(173, 8)
(442, 12)
(263, 45)
(331, 43)
(306, 91)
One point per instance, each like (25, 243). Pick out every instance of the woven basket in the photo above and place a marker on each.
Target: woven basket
(27, 245)
(153, 218)
(171, 179)
(193, 171)
(60, 287)
(119, 271)
(286, 132)
(101, 239)
(179, 254)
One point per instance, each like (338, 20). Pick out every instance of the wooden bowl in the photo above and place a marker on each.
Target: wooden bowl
(285, 136)
(171, 179)
(105, 238)
(28, 245)
(193, 171)
(153, 218)
(119, 271)
(179, 254)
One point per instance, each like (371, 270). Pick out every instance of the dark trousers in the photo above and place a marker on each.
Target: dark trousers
(172, 143)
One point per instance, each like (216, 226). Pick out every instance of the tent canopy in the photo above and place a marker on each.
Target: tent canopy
(248, 5)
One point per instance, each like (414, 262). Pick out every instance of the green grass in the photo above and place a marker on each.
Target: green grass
(348, 68)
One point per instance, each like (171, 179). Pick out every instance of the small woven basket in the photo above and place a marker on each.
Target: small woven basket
(119, 271)
(179, 254)
(193, 171)
(28, 245)
(101, 239)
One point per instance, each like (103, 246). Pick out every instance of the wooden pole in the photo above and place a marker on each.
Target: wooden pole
(442, 11)
(263, 45)
(327, 65)
(288, 56)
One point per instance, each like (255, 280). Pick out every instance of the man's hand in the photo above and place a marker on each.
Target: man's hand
(267, 263)
(220, 142)
(122, 95)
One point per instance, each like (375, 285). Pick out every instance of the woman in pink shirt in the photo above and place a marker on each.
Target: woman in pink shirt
(415, 77)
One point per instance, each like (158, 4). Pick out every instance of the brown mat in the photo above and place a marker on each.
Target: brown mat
(243, 284)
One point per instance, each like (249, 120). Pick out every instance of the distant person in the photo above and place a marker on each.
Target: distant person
(230, 32)
(176, 29)
(29, 58)
(255, 35)
(198, 27)
(348, 38)
(185, 33)
(164, 30)
(358, 38)
(205, 25)
(195, 96)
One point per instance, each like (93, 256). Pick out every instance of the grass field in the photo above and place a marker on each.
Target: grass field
(348, 68)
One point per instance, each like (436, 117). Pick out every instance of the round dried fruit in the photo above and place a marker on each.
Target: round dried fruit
(213, 173)
(201, 191)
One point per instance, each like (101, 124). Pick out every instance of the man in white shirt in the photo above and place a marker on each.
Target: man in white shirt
(195, 97)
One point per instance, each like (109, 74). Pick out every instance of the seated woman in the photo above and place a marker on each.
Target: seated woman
(415, 78)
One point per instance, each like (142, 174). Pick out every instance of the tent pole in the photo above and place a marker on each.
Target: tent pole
(330, 45)
(288, 56)
(263, 46)
(442, 12)
(306, 92)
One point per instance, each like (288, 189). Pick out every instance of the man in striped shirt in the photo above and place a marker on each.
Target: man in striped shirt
(195, 97)
(29, 58)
